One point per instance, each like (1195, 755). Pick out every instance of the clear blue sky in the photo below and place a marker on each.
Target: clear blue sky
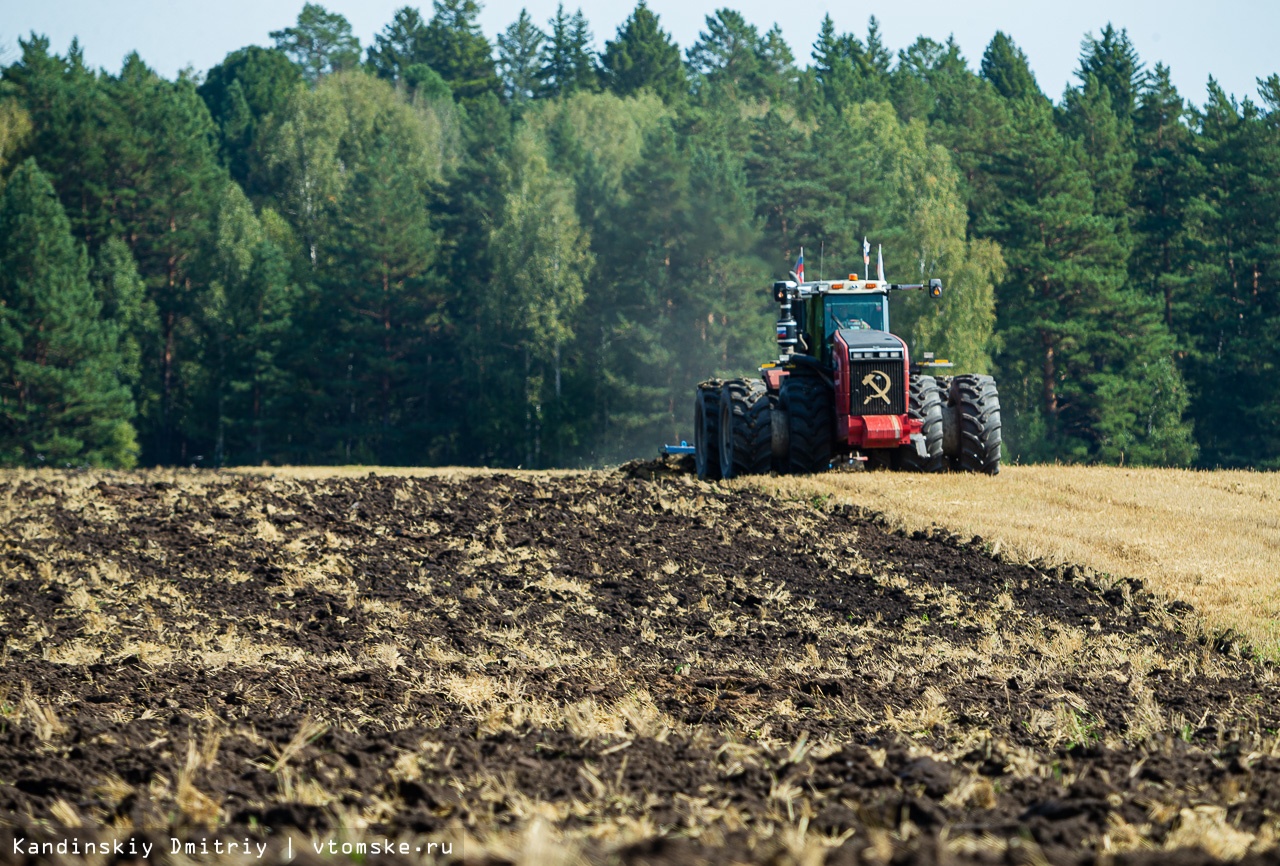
(1233, 40)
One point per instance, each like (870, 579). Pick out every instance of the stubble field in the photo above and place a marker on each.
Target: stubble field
(628, 667)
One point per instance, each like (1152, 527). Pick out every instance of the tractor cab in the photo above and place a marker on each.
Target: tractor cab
(844, 310)
(824, 309)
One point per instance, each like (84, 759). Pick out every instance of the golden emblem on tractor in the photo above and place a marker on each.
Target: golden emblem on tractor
(881, 391)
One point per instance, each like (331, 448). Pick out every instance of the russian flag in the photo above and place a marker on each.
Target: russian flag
(799, 271)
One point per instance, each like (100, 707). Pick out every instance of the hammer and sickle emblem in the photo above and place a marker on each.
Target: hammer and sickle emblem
(879, 390)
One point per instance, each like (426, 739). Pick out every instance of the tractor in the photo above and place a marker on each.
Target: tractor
(845, 390)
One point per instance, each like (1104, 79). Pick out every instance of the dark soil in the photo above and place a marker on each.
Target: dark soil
(231, 655)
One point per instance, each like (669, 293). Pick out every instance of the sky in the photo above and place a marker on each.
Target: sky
(1232, 40)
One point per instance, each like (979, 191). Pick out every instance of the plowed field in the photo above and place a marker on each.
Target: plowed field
(607, 667)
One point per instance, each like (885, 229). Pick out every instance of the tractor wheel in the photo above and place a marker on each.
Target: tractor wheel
(926, 405)
(971, 435)
(706, 429)
(808, 404)
(746, 434)
(780, 437)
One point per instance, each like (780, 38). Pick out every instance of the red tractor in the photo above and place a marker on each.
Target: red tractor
(844, 389)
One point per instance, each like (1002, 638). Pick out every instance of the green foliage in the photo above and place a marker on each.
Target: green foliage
(433, 258)
(1005, 65)
(846, 70)
(643, 56)
(568, 60)
(15, 127)
(61, 398)
(400, 45)
(320, 43)
(453, 46)
(244, 319)
(529, 309)
(244, 94)
(519, 55)
(1113, 61)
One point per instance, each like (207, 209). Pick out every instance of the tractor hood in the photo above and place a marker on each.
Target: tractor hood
(866, 340)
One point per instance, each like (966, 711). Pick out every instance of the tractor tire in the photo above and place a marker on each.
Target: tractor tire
(971, 435)
(706, 429)
(809, 407)
(926, 405)
(746, 434)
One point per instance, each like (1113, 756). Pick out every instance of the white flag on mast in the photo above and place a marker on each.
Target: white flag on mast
(880, 262)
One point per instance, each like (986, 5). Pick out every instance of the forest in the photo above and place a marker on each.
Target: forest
(437, 249)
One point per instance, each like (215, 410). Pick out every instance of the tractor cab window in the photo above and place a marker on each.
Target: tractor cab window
(856, 313)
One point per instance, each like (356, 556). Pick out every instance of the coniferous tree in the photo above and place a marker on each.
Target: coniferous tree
(519, 54)
(244, 317)
(1086, 364)
(837, 62)
(729, 54)
(164, 181)
(122, 295)
(1114, 62)
(1005, 65)
(1238, 423)
(399, 45)
(1170, 213)
(643, 56)
(1107, 142)
(61, 400)
(779, 73)
(568, 61)
(69, 112)
(877, 61)
(456, 49)
(321, 42)
(244, 93)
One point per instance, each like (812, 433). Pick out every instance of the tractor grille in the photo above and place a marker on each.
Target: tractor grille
(864, 397)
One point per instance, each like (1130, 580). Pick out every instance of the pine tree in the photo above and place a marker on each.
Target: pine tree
(320, 43)
(1170, 212)
(643, 56)
(68, 111)
(244, 318)
(1107, 141)
(1086, 360)
(1005, 65)
(778, 67)
(164, 182)
(455, 47)
(1114, 62)
(1236, 394)
(244, 94)
(519, 52)
(729, 53)
(384, 283)
(399, 45)
(61, 401)
(122, 294)
(837, 62)
(568, 61)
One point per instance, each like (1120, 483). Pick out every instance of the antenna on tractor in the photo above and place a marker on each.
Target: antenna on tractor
(822, 248)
